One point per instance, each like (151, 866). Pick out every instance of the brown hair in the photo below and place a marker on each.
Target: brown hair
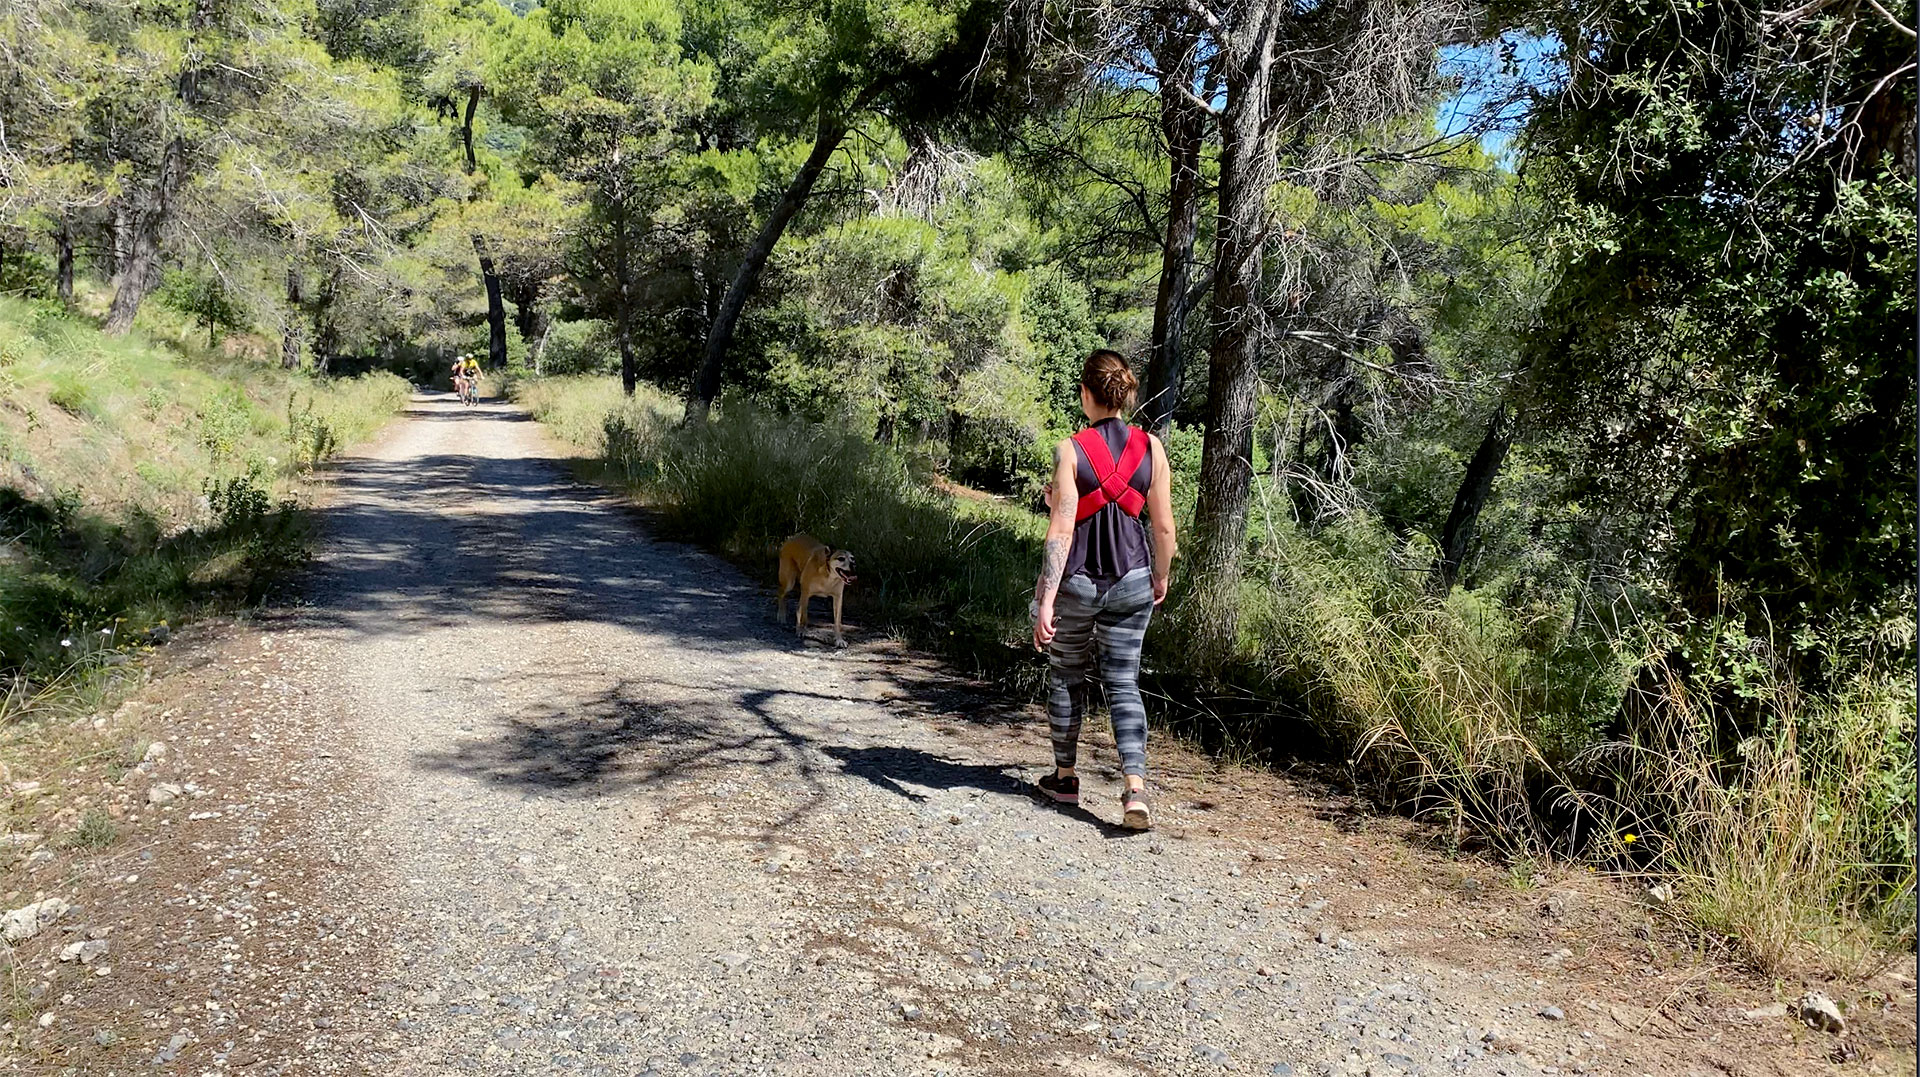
(1107, 376)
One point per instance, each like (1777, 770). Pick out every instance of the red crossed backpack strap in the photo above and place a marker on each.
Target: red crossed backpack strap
(1115, 479)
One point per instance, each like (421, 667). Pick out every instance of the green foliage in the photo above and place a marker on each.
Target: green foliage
(1725, 351)
(207, 299)
(1060, 311)
(937, 345)
(69, 392)
(1725, 363)
(225, 420)
(581, 347)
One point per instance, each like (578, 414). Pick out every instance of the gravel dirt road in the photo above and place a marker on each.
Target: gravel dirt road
(521, 789)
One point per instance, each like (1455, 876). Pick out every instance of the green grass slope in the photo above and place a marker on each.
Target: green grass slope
(148, 478)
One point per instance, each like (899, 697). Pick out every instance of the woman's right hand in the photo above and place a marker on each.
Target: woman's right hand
(1159, 589)
(1043, 626)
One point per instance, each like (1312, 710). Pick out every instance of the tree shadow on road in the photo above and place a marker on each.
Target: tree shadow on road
(455, 539)
(615, 741)
(459, 540)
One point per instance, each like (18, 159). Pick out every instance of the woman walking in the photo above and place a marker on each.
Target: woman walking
(1100, 578)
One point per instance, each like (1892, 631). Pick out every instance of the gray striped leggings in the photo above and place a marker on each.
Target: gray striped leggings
(1100, 636)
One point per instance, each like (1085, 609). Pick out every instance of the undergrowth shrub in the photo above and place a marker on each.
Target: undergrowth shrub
(76, 578)
(928, 562)
(1795, 840)
(575, 408)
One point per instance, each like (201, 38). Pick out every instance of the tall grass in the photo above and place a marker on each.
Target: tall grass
(1418, 695)
(1796, 846)
(576, 408)
(1796, 841)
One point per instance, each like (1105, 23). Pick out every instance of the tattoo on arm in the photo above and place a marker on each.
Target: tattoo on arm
(1053, 561)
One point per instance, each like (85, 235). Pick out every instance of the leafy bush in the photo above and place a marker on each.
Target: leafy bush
(69, 393)
(225, 420)
(205, 298)
(580, 347)
(332, 415)
(576, 407)
(96, 830)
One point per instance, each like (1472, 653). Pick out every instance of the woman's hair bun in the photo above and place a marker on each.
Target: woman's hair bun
(1107, 376)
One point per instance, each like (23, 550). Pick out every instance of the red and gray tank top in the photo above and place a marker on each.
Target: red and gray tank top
(1109, 540)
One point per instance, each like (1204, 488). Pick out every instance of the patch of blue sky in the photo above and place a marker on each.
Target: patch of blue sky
(1498, 82)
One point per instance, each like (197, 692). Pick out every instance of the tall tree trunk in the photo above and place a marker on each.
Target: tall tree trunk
(293, 332)
(63, 260)
(623, 328)
(1226, 463)
(1184, 125)
(623, 313)
(1475, 485)
(324, 342)
(496, 304)
(538, 349)
(466, 128)
(826, 140)
(142, 268)
(325, 334)
(117, 230)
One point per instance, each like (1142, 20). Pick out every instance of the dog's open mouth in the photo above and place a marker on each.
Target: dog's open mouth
(845, 576)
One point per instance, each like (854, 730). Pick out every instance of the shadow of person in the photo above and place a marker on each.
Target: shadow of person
(894, 768)
(888, 767)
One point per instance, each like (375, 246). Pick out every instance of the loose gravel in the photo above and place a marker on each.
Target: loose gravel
(518, 788)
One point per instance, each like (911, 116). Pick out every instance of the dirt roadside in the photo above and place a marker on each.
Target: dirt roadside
(517, 788)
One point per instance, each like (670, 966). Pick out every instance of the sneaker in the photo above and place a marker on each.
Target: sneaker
(1060, 790)
(1134, 805)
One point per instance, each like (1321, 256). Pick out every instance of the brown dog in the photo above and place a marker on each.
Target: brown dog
(807, 561)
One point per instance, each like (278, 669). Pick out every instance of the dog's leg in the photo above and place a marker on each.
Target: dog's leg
(780, 602)
(800, 619)
(838, 639)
